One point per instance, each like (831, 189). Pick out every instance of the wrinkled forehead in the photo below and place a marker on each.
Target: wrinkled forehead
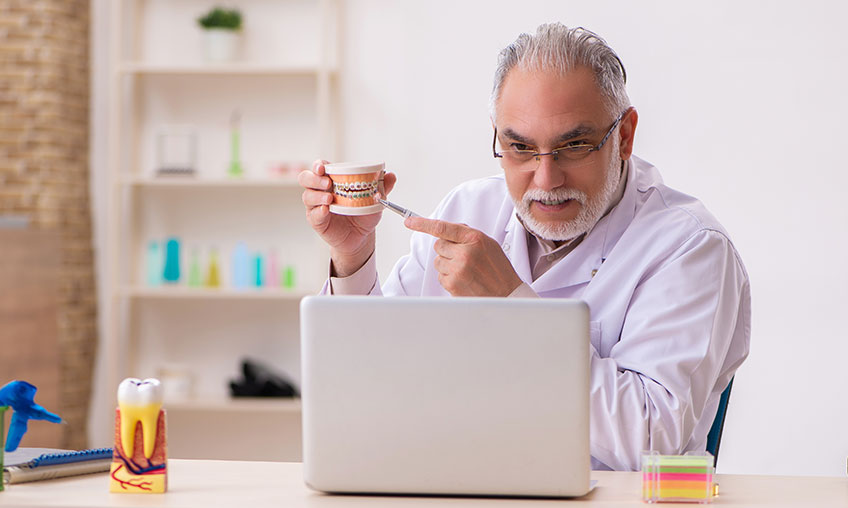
(549, 103)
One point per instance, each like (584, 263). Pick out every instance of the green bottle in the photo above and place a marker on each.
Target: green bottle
(235, 159)
(287, 277)
(194, 270)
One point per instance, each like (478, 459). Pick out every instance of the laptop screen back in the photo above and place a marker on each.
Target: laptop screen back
(477, 396)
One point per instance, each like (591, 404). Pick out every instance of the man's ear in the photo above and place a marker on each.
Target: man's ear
(628, 133)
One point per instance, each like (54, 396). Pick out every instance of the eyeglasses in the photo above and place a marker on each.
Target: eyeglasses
(573, 155)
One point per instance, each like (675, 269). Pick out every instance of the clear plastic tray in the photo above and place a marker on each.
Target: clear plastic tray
(678, 478)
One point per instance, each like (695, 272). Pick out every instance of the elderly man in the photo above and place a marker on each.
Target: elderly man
(575, 215)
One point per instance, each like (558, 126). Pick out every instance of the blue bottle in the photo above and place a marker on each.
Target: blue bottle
(172, 261)
(241, 266)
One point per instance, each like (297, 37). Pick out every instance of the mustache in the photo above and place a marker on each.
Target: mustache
(560, 194)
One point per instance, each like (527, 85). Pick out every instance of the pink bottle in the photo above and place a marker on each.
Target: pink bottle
(273, 275)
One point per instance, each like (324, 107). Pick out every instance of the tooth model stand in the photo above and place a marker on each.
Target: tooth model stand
(140, 459)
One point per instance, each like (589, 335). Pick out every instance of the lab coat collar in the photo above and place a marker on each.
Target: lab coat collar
(515, 246)
(581, 264)
(620, 217)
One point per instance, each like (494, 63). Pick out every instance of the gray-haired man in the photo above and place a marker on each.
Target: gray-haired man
(575, 215)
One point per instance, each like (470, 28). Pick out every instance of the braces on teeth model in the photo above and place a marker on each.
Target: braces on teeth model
(354, 187)
(355, 190)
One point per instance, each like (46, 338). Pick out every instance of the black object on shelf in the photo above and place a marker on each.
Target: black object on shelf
(260, 381)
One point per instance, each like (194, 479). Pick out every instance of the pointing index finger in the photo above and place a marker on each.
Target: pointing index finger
(440, 229)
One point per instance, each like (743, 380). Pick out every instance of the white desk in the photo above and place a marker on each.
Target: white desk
(279, 484)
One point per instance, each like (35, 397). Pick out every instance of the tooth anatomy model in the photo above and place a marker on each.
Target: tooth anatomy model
(140, 459)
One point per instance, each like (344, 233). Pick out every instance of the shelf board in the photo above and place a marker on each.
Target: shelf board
(236, 404)
(196, 182)
(222, 69)
(186, 293)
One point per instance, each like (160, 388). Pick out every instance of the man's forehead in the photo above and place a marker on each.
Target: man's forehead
(534, 97)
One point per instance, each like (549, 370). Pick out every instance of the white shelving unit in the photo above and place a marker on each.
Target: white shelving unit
(188, 182)
(181, 293)
(283, 88)
(144, 68)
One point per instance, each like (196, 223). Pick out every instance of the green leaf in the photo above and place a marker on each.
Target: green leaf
(219, 17)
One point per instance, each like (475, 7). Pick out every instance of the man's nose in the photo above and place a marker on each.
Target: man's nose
(548, 175)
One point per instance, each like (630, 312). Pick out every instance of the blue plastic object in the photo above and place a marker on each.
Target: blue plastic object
(20, 395)
(54, 459)
(172, 261)
(258, 272)
(241, 266)
(714, 436)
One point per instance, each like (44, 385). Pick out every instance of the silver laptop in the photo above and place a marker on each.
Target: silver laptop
(453, 396)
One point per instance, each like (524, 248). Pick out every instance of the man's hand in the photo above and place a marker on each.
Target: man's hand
(351, 238)
(469, 262)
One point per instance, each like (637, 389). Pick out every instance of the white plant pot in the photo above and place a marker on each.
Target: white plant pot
(221, 45)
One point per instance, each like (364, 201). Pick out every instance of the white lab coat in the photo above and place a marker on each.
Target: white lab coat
(669, 299)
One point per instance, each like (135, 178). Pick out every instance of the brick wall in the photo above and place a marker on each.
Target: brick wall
(44, 88)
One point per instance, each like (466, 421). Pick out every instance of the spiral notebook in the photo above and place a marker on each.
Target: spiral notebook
(33, 464)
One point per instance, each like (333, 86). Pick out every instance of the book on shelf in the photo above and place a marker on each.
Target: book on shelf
(33, 464)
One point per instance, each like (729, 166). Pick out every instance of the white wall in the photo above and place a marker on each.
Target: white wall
(741, 104)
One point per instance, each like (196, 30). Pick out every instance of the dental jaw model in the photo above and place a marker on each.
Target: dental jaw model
(140, 457)
(354, 187)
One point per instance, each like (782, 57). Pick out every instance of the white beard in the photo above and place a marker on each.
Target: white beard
(591, 210)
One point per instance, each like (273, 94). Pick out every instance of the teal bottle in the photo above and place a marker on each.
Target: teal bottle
(172, 261)
(257, 271)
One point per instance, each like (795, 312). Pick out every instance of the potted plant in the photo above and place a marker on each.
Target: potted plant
(221, 32)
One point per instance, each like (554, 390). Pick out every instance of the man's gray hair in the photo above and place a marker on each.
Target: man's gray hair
(557, 48)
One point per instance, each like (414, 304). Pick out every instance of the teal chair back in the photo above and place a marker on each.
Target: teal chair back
(714, 437)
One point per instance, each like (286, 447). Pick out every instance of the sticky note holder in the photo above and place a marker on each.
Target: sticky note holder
(685, 478)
